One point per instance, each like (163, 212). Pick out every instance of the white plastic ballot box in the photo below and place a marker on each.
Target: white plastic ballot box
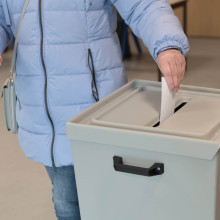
(128, 166)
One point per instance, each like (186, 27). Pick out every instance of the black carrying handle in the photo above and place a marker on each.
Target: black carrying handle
(155, 170)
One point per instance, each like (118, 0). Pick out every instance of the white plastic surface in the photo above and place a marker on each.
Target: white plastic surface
(186, 190)
(134, 109)
(187, 144)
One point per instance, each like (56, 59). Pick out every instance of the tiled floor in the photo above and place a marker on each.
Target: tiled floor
(25, 189)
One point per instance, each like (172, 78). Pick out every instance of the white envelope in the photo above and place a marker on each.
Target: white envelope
(168, 101)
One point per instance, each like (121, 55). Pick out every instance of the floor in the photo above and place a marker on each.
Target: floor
(25, 189)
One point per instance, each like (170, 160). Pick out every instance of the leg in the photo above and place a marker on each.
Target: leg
(65, 197)
(137, 43)
(120, 31)
(124, 40)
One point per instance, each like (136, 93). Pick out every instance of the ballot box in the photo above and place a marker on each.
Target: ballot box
(129, 166)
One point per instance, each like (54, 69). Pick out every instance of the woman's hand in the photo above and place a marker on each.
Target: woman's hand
(172, 65)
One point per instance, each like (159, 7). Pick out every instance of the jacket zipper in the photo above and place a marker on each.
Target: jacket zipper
(45, 86)
(93, 83)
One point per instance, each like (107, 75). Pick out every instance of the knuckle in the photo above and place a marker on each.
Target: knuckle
(167, 73)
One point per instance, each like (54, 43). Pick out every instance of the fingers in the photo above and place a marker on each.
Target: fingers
(172, 65)
(183, 68)
(166, 70)
(175, 76)
(0, 60)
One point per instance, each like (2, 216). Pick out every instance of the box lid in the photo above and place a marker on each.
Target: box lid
(134, 111)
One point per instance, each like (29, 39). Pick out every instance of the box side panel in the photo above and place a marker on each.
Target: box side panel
(184, 191)
(217, 187)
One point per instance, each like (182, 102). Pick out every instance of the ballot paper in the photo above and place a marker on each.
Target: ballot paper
(168, 100)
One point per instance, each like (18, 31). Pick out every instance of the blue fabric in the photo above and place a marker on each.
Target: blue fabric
(71, 28)
(5, 32)
(64, 191)
(155, 23)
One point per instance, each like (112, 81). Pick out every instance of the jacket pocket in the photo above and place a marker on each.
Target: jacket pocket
(93, 83)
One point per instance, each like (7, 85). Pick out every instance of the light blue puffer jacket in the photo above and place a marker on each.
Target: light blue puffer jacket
(69, 57)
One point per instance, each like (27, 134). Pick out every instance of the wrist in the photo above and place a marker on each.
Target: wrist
(169, 52)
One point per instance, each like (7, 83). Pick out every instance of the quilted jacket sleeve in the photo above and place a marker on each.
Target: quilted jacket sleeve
(5, 31)
(155, 23)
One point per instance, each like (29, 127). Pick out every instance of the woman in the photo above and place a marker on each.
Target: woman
(68, 58)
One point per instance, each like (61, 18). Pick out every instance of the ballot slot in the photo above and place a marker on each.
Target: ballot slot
(181, 105)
